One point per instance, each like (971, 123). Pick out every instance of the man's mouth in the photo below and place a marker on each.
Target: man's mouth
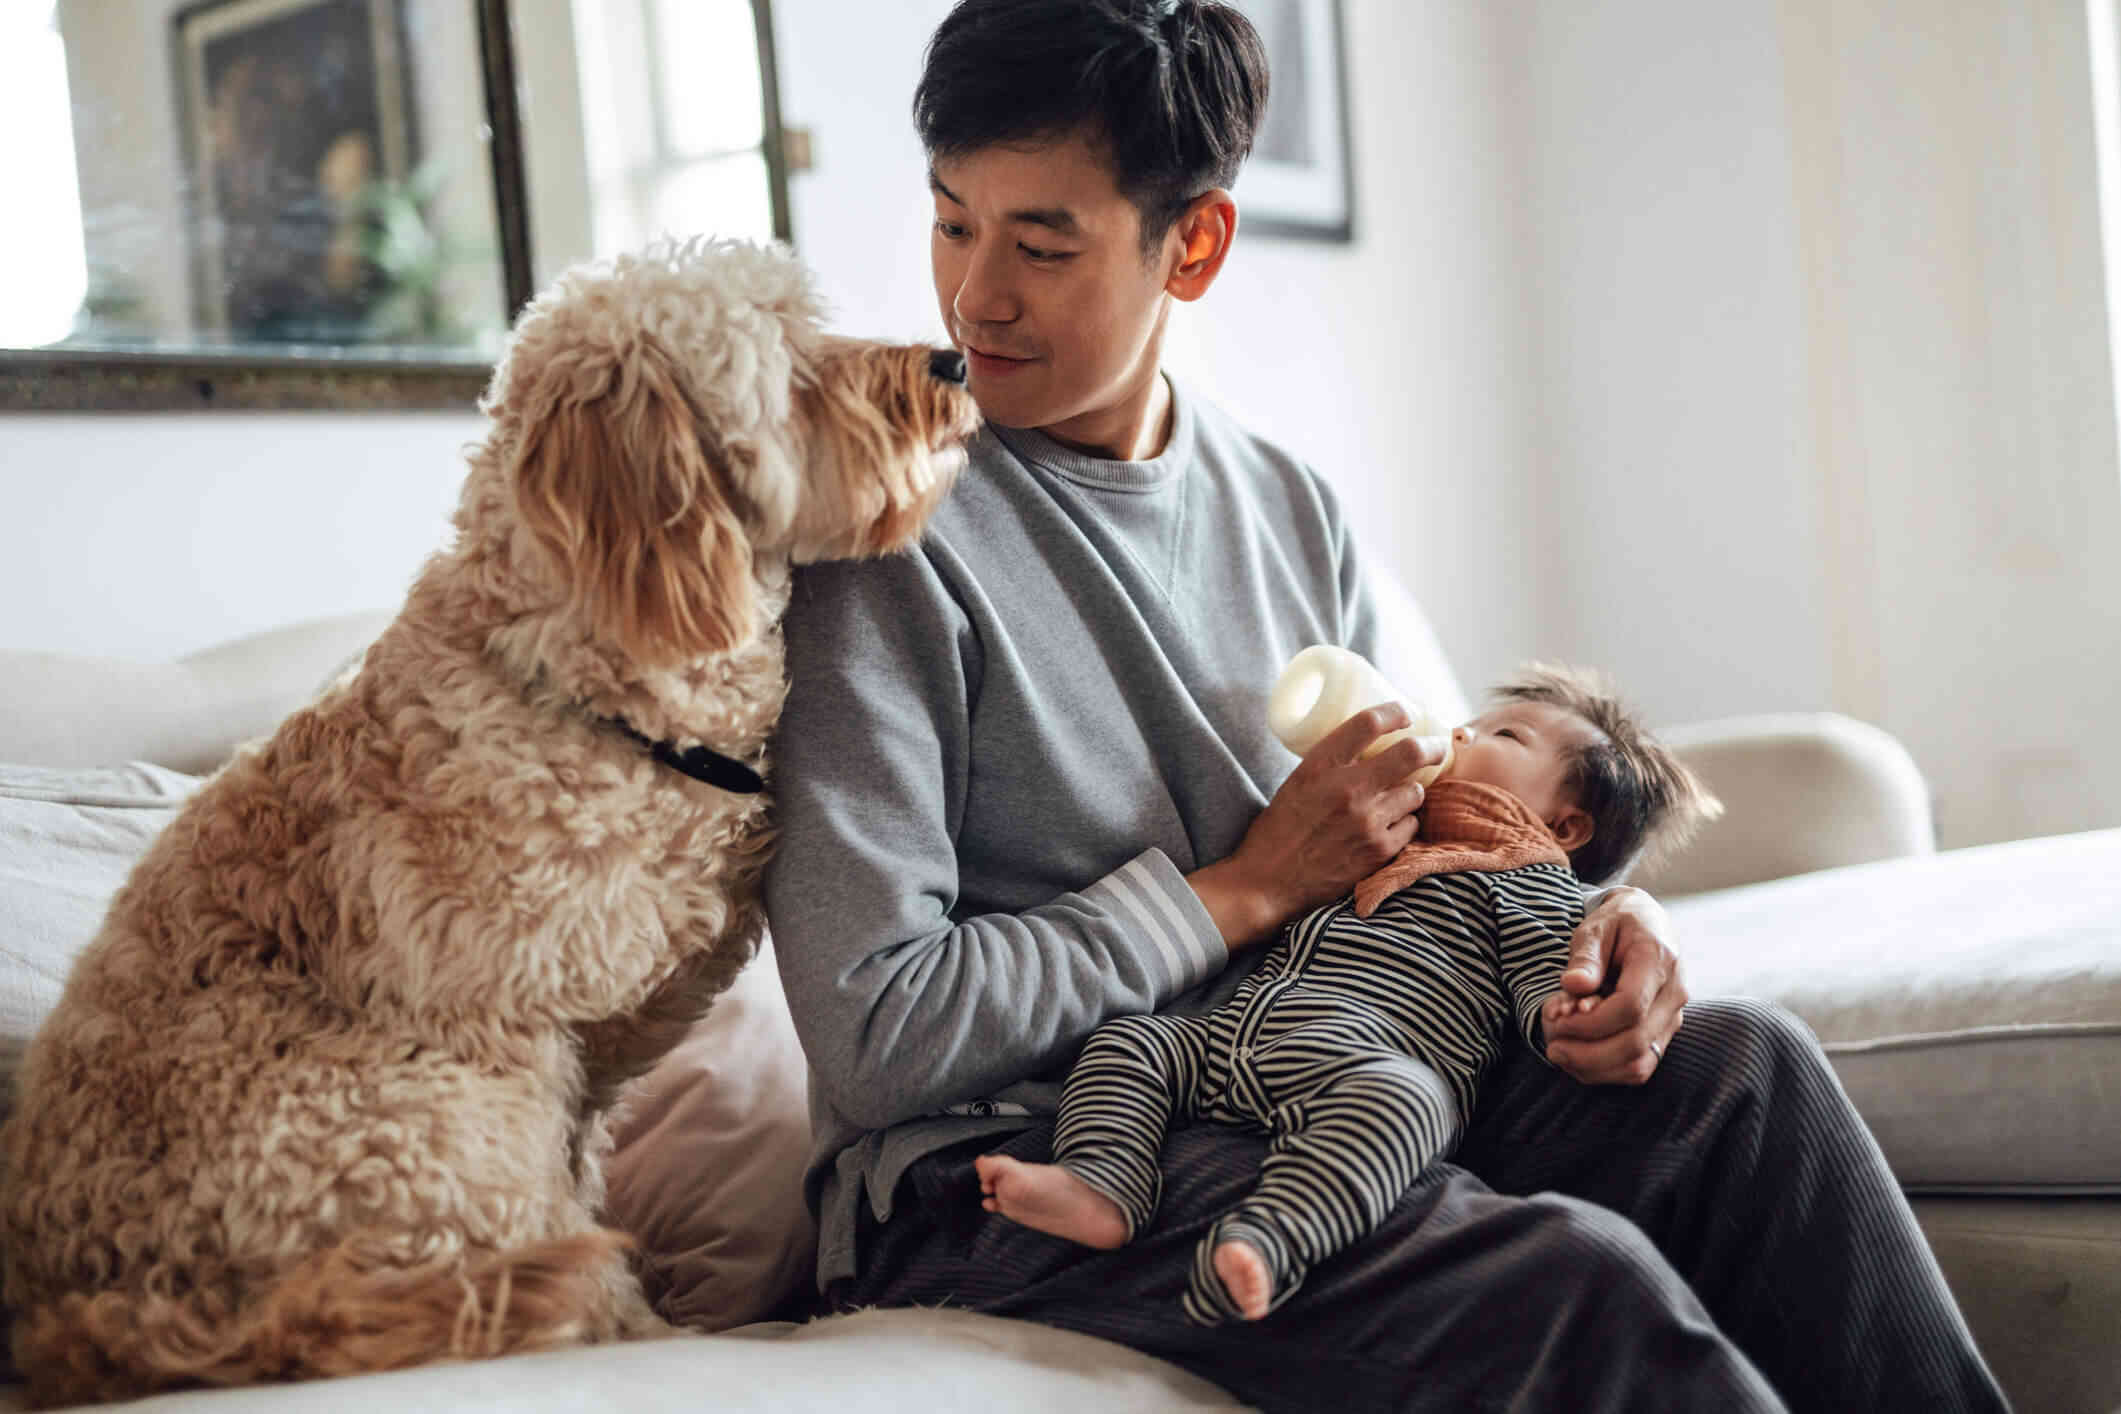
(993, 365)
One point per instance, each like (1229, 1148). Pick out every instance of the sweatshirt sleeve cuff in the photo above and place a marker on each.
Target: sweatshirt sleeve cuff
(1155, 904)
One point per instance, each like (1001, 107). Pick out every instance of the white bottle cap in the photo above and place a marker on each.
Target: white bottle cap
(1326, 684)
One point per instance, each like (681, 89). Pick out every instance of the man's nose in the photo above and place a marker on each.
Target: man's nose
(983, 295)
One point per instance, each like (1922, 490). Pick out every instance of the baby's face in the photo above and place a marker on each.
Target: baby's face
(1524, 748)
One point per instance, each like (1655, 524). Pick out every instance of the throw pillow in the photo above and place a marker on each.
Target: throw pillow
(708, 1170)
(68, 839)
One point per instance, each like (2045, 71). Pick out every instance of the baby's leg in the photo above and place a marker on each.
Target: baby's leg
(1339, 1161)
(1134, 1075)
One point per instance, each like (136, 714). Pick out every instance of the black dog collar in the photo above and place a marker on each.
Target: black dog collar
(699, 762)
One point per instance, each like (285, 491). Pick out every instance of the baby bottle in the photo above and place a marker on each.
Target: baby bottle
(1325, 685)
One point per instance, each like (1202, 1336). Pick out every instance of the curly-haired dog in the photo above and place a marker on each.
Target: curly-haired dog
(324, 1094)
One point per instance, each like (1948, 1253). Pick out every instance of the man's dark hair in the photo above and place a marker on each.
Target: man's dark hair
(1640, 797)
(1171, 90)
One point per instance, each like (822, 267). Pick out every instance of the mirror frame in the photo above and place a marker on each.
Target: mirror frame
(63, 380)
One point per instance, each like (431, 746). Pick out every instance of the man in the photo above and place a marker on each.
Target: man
(1025, 784)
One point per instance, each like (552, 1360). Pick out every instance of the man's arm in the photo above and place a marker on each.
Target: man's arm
(902, 1008)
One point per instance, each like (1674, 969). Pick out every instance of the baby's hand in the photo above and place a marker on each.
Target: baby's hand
(1561, 1004)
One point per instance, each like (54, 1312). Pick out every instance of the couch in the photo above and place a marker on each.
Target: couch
(1970, 1002)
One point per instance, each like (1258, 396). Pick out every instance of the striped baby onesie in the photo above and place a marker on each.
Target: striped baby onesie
(1356, 1044)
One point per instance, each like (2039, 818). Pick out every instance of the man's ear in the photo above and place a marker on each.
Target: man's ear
(1573, 828)
(1204, 233)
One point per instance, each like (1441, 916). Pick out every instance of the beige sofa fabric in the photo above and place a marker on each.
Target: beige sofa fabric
(1971, 1001)
(873, 1362)
(68, 839)
(1801, 791)
(62, 710)
(708, 1170)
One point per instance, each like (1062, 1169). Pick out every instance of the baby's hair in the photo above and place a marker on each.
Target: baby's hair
(1641, 799)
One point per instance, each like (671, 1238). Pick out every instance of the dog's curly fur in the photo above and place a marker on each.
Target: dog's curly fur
(325, 1094)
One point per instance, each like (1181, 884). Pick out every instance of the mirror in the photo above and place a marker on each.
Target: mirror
(335, 203)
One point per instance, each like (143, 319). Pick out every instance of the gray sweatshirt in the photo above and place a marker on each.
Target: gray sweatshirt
(1000, 755)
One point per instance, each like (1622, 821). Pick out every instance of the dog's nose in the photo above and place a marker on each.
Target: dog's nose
(947, 365)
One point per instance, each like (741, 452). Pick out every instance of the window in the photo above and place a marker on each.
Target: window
(43, 262)
(674, 120)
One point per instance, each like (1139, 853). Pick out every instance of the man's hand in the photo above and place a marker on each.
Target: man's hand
(1337, 819)
(1616, 1035)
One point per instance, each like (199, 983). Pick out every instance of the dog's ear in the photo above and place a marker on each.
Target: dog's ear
(615, 483)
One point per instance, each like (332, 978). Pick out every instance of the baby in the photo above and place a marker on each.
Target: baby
(1358, 1041)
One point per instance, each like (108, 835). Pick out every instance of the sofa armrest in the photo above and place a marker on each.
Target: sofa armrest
(60, 709)
(1800, 792)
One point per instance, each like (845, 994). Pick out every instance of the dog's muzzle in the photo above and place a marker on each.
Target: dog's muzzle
(947, 365)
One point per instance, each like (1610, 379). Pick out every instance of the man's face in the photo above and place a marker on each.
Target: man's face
(1039, 272)
(1524, 748)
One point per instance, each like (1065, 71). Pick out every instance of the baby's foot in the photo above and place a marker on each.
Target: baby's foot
(1051, 1199)
(1244, 1276)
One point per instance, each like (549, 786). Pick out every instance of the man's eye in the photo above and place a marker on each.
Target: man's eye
(1034, 253)
(948, 230)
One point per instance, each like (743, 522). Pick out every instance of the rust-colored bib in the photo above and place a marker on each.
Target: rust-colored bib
(1465, 826)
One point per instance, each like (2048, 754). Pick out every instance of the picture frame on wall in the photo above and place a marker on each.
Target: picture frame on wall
(294, 113)
(1299, 180)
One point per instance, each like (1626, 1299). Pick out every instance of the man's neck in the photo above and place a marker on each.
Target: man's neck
(1133, 431)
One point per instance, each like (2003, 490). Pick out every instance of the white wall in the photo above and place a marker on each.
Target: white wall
(1823, 379)
(149, 535)
(555, 159)
(1669, 355)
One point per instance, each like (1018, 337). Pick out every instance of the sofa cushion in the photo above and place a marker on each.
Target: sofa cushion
(910, 1361)
(68, 839)
(1970, 1001)
(708, 1172)
(64, 709)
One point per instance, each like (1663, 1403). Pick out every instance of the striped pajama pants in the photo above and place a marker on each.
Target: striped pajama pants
(1356, 1047)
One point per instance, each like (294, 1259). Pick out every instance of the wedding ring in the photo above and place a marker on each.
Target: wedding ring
(1657, 1049)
